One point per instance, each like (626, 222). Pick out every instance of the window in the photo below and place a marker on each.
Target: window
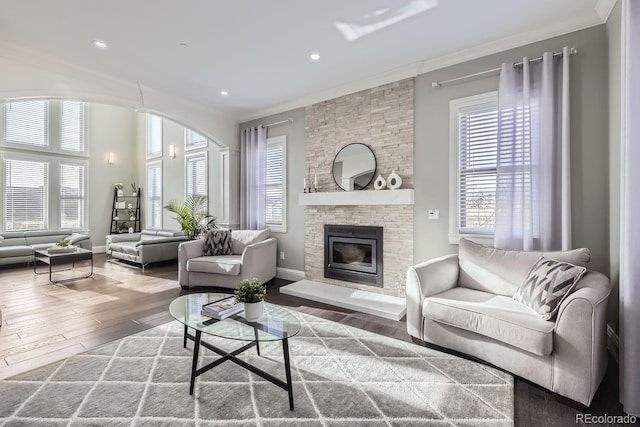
(474, 136)
(56, 126)
(26, 195)
(154, 195)
(193, 140)
(154, 136)
(275, 183)
(196, 167)
(72, 204)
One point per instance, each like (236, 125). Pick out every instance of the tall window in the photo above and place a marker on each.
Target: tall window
(474, 136)
(275, 183)
(41, 191)
(154, 195)
(193, 140)
(196, 167)
(154, 136)
(26, 195)
(72, 203)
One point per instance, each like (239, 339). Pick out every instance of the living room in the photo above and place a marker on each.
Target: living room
(402, 111)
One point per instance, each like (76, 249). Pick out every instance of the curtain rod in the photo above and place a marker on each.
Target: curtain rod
(572, 51)
(278, 123)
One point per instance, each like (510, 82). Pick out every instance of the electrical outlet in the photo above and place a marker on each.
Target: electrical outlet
(281, 254)
(434, 214)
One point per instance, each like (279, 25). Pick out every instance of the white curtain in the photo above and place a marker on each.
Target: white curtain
(253, 144)
(629, 209)
(533, 195)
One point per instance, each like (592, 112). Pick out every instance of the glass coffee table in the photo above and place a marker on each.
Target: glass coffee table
(276, 324)
(55, 258)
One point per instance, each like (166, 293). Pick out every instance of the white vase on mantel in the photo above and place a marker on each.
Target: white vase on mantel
(253, 310)
(379, 183)
(394, 181)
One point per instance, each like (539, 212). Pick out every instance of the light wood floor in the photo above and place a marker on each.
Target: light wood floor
(43, 323)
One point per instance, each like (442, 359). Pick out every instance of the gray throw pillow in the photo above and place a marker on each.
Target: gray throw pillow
(547, 285)
(217, 242)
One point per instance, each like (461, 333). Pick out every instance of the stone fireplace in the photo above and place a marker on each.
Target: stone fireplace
(382, 118)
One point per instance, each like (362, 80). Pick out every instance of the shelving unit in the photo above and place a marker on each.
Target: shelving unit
(120, 216)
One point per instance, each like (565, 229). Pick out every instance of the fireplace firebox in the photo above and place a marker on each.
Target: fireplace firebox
(353, 253)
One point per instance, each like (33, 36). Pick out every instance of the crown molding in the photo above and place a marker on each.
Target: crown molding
(424, 66)
(603, 8)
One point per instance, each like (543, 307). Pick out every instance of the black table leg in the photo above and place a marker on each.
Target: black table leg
(184, 343)
(287, 369)
(194, 364)
(255, 331)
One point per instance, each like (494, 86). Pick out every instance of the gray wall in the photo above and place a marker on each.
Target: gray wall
(291, 242)
(110, 129)
(614, 37)
(589, 142)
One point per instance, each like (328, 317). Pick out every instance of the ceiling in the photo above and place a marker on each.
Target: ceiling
(258, 50)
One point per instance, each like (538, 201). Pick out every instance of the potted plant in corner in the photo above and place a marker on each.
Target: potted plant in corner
(193, 215)
(251, 293)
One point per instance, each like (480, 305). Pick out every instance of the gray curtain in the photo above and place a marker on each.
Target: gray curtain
(253, 145)
(533, 195)
(629, 209)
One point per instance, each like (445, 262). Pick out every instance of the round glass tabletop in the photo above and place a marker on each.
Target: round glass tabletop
(275, 324)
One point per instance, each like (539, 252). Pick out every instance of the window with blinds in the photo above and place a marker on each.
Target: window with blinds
(475, 126)
(72, 190)
(27, 123)
(275, 183)
(194, 140)
(196, 167)
(154, 195)
(26, 195)
(154, 136)
(72, 126)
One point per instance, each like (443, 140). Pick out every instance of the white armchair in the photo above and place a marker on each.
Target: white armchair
(253, 255)
(464, 302)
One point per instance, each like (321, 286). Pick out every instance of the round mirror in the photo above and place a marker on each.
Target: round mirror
(354, 167)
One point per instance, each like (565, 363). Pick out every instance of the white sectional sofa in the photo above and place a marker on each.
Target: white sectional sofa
(18, 246)
(464, 303)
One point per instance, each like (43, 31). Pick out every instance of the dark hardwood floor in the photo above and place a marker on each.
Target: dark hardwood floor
(43, 323)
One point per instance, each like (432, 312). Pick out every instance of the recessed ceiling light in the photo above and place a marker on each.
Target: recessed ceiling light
(99, 44)
(314, 56)
(224, 93)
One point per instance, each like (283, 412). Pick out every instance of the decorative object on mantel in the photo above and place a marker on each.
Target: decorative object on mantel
(310, 189)
(379, 183)
(354, 167)
(251, 293)
(394, 181)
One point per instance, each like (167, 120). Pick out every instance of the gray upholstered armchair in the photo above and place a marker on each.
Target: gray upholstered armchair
(464, 302)
(253, 255)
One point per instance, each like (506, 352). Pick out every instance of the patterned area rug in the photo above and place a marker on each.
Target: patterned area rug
(342, 376)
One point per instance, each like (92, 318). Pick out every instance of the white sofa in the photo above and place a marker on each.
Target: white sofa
(464, 303)
(253, 255)
(145, 247)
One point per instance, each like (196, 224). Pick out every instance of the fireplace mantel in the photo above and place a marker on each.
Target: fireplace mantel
(369, 197)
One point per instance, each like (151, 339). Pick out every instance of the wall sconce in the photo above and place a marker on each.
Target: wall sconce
(111, 158)
(172, 151)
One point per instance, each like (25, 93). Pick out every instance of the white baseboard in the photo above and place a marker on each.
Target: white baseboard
(99, 249)
(613, 342)
(289, 274)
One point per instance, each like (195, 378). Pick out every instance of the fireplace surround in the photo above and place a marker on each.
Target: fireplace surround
(353, 253)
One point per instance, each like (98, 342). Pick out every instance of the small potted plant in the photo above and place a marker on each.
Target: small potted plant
(132, 215)
(134, 189)
(120, 189)
(251, 293)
